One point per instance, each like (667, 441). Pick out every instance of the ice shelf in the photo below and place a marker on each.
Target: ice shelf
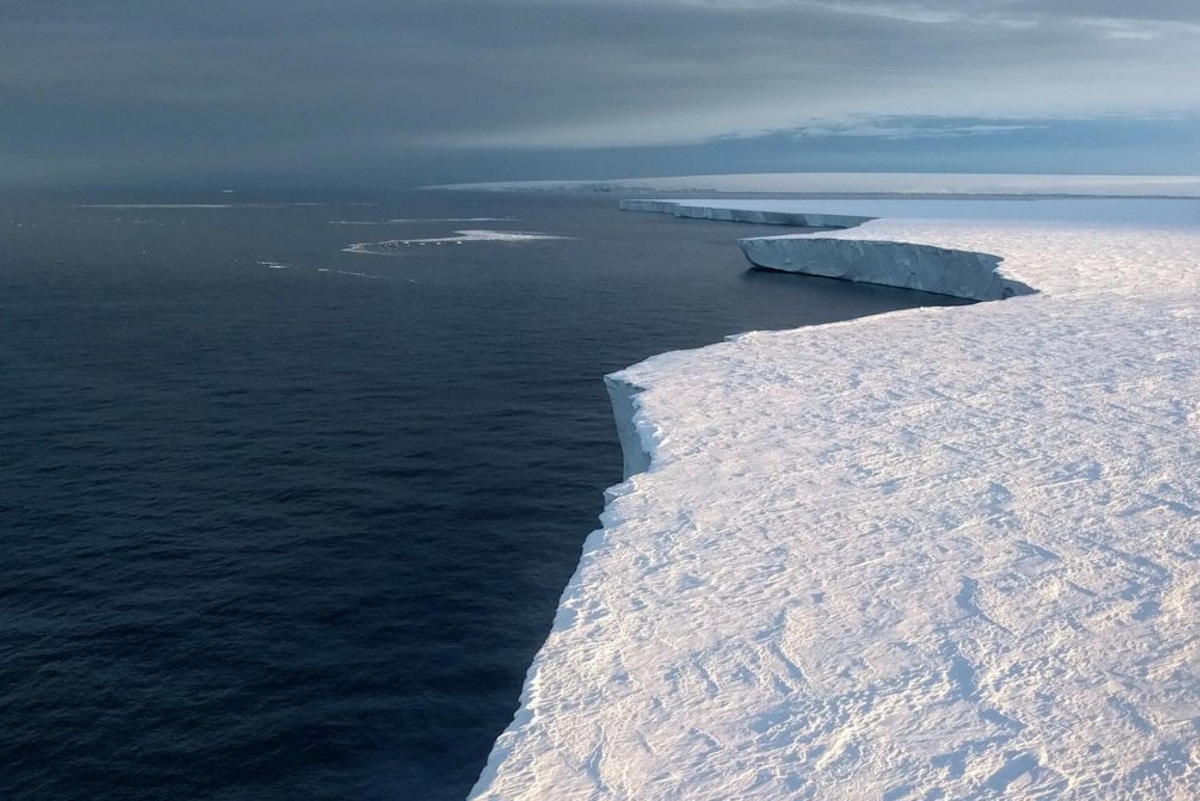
(945, 271)
(800, 219)
(940, 553)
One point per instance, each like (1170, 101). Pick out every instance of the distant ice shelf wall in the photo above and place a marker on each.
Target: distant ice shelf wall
(758, 216)
(908, 184)
(944, 271)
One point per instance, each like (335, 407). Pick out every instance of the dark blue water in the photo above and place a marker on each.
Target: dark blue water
(297, 533)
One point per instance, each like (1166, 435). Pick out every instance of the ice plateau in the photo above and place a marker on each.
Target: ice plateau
(942, 553)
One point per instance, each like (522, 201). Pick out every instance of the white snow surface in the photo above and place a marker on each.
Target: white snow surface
(939, 553)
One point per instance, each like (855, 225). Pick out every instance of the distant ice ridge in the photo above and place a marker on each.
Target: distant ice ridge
(726, 213)
(876, 183)
(945, 271)
(942, 553)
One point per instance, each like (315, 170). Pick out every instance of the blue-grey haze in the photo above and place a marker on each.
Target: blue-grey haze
(385, 93)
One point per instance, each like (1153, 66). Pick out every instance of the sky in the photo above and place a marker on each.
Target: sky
(408, 92)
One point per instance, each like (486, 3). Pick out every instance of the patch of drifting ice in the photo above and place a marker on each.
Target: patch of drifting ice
(201, 205)
(155, 206)
(406, 221)
(351, 273)
(947, 552)
(393, 245)
(278, 265)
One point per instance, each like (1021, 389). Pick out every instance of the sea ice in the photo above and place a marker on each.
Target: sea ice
(415, 220)
(393, 245)
(941, 553)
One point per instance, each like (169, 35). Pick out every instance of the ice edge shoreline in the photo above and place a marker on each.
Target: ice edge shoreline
(958, 273)
(637, 452)
(637, 444)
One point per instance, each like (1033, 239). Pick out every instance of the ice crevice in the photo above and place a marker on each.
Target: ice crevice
(945, 552)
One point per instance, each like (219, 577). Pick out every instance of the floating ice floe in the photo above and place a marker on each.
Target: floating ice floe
(350, 273)
(461, 237)
(414, 220)
(204, 205)
(940, 553)
(279, 265)
(155, 206)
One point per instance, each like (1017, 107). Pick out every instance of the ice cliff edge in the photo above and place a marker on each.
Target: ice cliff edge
(633, 450)
(960, 273)
(759, 216)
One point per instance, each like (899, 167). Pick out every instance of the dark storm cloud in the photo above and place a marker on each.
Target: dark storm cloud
(146, 87)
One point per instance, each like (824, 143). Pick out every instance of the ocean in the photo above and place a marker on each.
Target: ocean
(279, 520)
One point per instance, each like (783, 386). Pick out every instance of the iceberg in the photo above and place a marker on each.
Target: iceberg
(946, 552)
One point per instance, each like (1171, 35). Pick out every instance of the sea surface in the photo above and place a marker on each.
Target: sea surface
(281, 521)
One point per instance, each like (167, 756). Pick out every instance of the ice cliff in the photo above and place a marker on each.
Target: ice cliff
(940, 553)
(799, 219)
(945, 271)
(634, 452)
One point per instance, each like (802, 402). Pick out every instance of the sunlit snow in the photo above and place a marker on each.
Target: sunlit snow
(943, 553)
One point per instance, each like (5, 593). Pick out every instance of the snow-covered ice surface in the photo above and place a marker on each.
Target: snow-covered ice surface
(942, 553)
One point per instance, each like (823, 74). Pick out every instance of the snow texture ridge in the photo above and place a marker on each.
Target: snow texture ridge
(942, 553)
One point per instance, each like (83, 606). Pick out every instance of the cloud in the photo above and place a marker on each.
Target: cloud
(887, 128)
(233, 84)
